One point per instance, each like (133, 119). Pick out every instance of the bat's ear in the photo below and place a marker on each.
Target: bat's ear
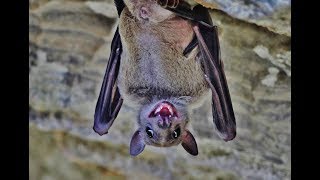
(137, 144)
(189, 143)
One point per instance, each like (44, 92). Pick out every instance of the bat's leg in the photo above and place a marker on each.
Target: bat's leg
(171, 3)
(180, 8)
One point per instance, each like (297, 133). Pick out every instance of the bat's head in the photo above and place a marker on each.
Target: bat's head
(163, 124)
(148, 10)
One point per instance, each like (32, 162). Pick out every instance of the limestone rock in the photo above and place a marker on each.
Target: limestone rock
(272, 14)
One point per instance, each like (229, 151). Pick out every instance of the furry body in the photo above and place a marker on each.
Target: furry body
(152, 62)
(156, 65)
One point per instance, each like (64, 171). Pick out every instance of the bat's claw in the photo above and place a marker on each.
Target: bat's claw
(168, 3)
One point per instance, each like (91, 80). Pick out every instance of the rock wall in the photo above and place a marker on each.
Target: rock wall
(69, 45)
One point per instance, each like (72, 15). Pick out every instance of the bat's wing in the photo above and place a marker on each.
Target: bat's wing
(222, 110)
(208, 43)
(110, 100)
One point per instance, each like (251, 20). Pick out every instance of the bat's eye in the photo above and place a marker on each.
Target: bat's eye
(176, 133)
(149, 132)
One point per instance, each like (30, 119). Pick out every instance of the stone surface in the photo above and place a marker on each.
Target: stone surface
(69, 45)
(247, 8)
(272, 14)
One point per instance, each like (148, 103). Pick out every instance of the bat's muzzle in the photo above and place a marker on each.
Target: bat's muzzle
(164, 109)
(164, 122)
(164, 112)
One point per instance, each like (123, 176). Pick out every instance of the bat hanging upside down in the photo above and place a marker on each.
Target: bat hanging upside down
(165, 58)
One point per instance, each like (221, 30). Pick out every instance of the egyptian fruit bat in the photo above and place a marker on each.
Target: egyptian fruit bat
(165, 57)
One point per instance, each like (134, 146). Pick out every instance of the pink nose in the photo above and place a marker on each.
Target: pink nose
(164, 122)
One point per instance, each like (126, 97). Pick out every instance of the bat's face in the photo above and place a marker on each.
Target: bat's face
(148, 10)
(163, 124)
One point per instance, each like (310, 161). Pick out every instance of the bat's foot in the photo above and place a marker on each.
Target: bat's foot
(168, 3)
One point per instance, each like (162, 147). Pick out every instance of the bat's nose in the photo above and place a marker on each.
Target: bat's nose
(164, 122)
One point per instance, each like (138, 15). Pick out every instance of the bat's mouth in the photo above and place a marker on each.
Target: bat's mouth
(164, 109)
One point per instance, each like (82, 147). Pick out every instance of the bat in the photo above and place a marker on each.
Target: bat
(165, 58)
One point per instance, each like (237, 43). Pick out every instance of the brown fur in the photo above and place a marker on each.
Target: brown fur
(153, 68)
(152, 57)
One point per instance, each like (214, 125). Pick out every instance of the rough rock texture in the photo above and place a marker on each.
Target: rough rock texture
(69, 42)
(272, 14)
